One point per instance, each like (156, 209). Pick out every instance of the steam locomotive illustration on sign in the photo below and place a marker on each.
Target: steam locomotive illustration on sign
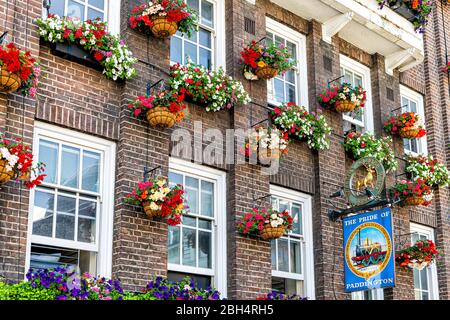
(369, 253)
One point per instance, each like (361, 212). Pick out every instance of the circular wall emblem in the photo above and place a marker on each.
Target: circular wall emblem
(366, 173)
(368, 250)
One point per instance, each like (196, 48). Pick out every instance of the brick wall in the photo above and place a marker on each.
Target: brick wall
(81, 98)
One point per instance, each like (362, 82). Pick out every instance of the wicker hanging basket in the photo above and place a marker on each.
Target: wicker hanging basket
(413, 201)
(269, 232)
(266, 72)
(409, 132)
(345, 106)
(9, 82)
(162, 28)
(161, 117)
(267, 155)
(5, 175)
(149, 212)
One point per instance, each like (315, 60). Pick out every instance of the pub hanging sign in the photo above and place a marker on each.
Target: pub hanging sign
(368, 251)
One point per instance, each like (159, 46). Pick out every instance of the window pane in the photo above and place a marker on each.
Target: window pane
(190, 51)
(205, 38)
(279, 90)
(175, 178)
(406, 144)
(193, 4)
(296, 263)
(57, 7)
(273, 254)
(65, 219)
(91, 171)
(86, 230)
(70, 163)
(176, 54)
(290, 76)
(416, 279)
(87, 209)
(94, 14)
(189, 247)
(48, 154)
(425, 295)
(292, 48)
(43, 213)
(75, 9)
(188, 221)
(174, 244)
(297, 227)
(193, 37)
(269, 38)
(283, 255)
(413, 106)
(348, 77)
(283, 205)
(207, 13)
(204, 242)
(279, 41)
(192, 194)
(424, 278)
(204, 224)
(97, 3)
(205, 58)
(413, 144)
(405, 104)
(207, 199)
(358, 81)
(290, 91)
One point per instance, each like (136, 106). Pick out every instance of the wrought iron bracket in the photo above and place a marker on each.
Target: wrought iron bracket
(334, 215)
(147, 171)
(3, 37)
(329, 82)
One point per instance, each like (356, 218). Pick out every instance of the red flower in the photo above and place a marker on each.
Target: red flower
(98, 56)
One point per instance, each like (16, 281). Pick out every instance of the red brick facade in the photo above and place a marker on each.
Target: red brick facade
(80, 98)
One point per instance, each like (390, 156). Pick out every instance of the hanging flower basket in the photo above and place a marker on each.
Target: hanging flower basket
(16, 161)
(9, 82)
(413, 201)
(263, 61)
(267, 224)
(418, 256)
(163, 18)
(19, 71)
(151, 213)
(409, 132)
(416, 12)
(302, 125)
(345, 98)
(427, 168)
(161, 117)
(5, 174)
(345, 106)
(412, 193)
(161, 110)
(211, 89)
(270, 233)
(269, 143)
(266, 72)
(359, 145)
(162, 27)
(158, 200)
(408, 125)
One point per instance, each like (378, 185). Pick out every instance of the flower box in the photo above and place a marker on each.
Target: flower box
(408, 125)
(76, 54)
(416, 12)
(404, 11)
(427, 168)
(343, 99)
(412, 193)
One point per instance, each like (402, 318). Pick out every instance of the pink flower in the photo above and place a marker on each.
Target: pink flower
(137, 112)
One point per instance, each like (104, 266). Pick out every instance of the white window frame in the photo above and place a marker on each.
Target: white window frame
(103, 247)
(355, 66)
(307, 256)
(377, 294)
(418, 99)
(218, 33)
(218, 269)
(111, 14)
(301, 69)
(432, 269)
